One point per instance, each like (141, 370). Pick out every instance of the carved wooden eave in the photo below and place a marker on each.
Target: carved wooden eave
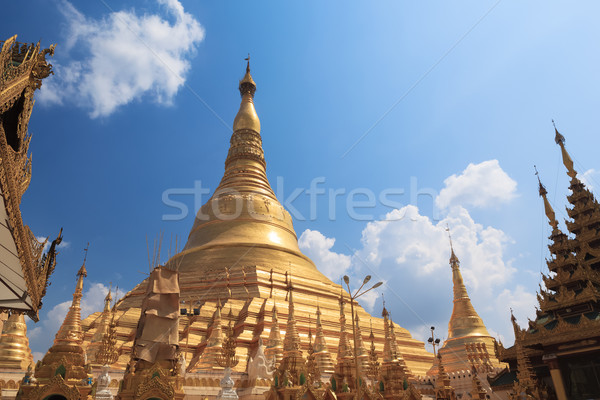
(25, 270)
(564, 332)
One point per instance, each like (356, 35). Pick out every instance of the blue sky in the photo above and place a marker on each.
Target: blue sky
(365, 97)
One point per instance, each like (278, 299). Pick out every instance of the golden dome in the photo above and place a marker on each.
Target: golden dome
(243, 222)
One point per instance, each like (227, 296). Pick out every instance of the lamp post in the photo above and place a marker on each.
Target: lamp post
(433, 341)
(354, 296)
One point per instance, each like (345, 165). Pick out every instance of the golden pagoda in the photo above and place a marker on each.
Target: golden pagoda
(561, 345)
(393, 375)
(14, 344)
(242, 251)
(63, 371)
(469, 343)
(322, 354)
(102, 331)
(25, 268)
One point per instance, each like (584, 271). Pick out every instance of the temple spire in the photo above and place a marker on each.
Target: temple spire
(291, 342)
(322, 354)
(547, 207)
(246, 117)
(67, 343)
(344, 347)
(443, 389)
(567, 161)
(464, 320)
(70, 331)
(274, 349)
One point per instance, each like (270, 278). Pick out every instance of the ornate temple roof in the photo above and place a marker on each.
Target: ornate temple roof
(570, 303)
(24, 270)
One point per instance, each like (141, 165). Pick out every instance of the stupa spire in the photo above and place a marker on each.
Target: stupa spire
(70, 331)
(389, 349)
(373, 371)
(291, 342)
(361, 351)
(293, 364)
(443, 389)
(67, 342)
(464, 320)
(103, 329)
(274, 349)
(214, 344)
(344, 347)
(322, 354)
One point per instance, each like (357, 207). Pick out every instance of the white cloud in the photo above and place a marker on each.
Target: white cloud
(126, 56)
(479, 185)
(41, 334)
(411, 252)
(520, 301)
(590, 178)
(410, 242)
(318, 248)
(63, 244)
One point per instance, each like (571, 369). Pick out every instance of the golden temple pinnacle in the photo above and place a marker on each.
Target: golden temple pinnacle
(464, 320)
(567, 161)
(469, 342)
(547, 207)
(246, 117)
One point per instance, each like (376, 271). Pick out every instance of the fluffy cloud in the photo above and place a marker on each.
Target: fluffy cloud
(479, 185)
(41, 334)
(520, 301)
(63, 245)
(590, 178)
(318, 248)
(408, 241)
(410, 252)
(125, 56)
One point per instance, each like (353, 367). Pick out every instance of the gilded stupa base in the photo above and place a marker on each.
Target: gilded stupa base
(251, 316)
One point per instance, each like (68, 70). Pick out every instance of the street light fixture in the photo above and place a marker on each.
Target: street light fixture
(353, 297)
(433, 341)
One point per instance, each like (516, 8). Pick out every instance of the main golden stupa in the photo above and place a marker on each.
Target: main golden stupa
(242, 254)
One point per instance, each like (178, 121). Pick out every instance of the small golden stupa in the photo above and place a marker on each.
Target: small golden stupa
(469, 343)
(63, 370)
(241, 253)
(14, 344)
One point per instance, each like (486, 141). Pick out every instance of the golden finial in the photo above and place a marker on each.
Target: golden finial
(453, 259)
(547, 207)
(542, 188)
(567, 161)
(558, 138)
(247, 85)
(82, 271)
